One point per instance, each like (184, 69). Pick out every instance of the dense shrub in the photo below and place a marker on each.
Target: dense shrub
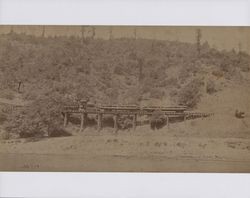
(3, 117)
(211, 88)
(125, 122)
(156, 93)
(190, 94)
(218, 73)
(172, 82)
(157, 120)
(4, 135)
(42, 117)
(7, 94)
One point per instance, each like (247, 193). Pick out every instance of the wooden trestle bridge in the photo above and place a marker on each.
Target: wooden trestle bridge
(84, 109)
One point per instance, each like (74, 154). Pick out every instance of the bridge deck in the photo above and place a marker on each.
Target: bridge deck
(115, 111)
(125, 110)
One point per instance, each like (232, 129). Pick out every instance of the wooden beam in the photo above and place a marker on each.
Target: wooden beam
(83, 121)
(115, 118)
(99, 121)
(167, 120)
(65, 122)
(134, 121)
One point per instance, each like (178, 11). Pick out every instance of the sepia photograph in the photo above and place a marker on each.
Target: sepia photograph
(125, 98)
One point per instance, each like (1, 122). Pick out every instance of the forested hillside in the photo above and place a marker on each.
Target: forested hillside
(118, 71)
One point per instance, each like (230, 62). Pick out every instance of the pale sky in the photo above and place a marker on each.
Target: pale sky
(220, 37)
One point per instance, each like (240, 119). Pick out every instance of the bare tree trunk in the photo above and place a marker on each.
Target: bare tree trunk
(11, 29)
(93, 33)
(198, 41)
(19, 86)
(153, 43)
(43, 31)
(83, 33)
(110, 33)
(140, 64)
(135, 33)
(240, 50)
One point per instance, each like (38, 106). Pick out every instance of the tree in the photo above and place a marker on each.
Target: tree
(93, 33)
(43, 31)
(83, 33)
(140, 65)
(110, 33)
(240, 52)
(198, 41)
(11, 29)
(135, 33)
